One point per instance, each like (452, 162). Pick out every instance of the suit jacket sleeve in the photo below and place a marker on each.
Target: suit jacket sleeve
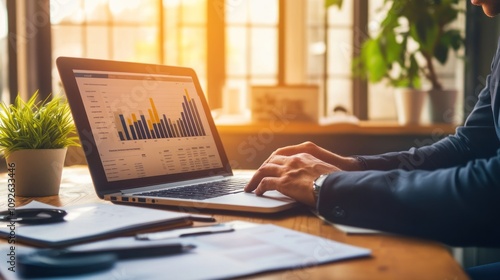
(448, 191)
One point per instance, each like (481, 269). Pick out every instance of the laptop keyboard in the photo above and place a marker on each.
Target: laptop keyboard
(201, 191)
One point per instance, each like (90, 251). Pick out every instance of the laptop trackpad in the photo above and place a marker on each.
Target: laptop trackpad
(269, 199)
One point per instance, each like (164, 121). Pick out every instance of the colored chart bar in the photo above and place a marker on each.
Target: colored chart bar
(154, 125)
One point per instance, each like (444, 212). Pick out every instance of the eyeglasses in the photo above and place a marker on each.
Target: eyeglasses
(33, 216)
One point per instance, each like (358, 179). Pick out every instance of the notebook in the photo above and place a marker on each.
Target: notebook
(149, 137)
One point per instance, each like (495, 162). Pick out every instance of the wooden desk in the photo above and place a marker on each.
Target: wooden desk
(361, 128)
(392, 257)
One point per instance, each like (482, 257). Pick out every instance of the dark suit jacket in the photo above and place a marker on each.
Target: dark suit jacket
(448, 191)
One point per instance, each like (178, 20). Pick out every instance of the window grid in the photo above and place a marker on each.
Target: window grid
(178, 30)
(3, 51)
(243, 71)
(149, 37)
(330, 53)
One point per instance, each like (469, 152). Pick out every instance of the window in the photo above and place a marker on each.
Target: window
(330, 52)
(3, 50)
(251, 43)
(151, 31)
(234, 43)
(380, 96)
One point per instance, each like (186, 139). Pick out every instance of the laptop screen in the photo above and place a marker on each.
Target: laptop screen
(141, 124)
(146, 124)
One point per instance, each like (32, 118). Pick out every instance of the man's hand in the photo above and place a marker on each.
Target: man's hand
(292, 175)
(343, 163)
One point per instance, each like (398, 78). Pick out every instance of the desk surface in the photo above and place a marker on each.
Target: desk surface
(361, 128)
(392, 257)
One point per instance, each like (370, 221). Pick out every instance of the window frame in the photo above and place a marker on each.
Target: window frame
(215, 48)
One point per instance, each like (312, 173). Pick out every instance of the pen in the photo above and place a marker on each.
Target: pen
(185, 232)
(125, 252)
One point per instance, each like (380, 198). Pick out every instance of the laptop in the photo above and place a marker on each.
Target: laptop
(149, 138)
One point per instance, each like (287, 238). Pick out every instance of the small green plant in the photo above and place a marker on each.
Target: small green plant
(414, 35)
(36, 125)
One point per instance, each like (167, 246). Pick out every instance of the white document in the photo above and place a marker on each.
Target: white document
(356, 230)
(245, 251)
(347, 229)
(84, 222)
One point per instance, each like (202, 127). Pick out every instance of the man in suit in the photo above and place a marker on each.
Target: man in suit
(448, 191)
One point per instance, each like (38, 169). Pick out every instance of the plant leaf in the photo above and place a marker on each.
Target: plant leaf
(36, 125)
(374, 61)
(337, 3)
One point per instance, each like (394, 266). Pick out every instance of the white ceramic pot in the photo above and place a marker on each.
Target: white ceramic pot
(442, 106)
(409, 105)
(37, 172)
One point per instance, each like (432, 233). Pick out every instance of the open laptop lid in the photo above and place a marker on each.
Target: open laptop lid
(141, 124)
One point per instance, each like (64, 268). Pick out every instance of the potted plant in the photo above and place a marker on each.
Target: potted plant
(34, 137)
(413, 37)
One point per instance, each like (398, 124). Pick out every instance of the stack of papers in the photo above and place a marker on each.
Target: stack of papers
(245, 251)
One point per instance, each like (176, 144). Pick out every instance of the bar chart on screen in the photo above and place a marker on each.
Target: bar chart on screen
(151, 124)
(147, 126)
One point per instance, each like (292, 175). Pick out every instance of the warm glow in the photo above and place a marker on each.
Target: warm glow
(129, 30)
(65, 10)
(118, 6)
(93, 6)
(171, 3)
(3, 22)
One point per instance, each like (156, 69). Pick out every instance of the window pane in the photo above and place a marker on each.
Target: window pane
(96, 10)
(376, 14)
(263, 11)
(97, 38)
(171, 10)
(66, 11)
(185, 35)
(3, 51)
(137, 11)
(251, 43)
(339, 94)
(236, 49)
(315, 12)
(341, 16)
(236, 11)
(339, 52)
(381, 104)
(135, 44)
(67, 41)
(129, 30)
(194, 11)
(316, 44)
(193, 49)
(449, 68)
(264, 51)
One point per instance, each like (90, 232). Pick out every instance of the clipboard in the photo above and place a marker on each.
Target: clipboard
(91, 222)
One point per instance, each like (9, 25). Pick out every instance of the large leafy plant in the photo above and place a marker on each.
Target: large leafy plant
(413, 37)
(36, 125)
